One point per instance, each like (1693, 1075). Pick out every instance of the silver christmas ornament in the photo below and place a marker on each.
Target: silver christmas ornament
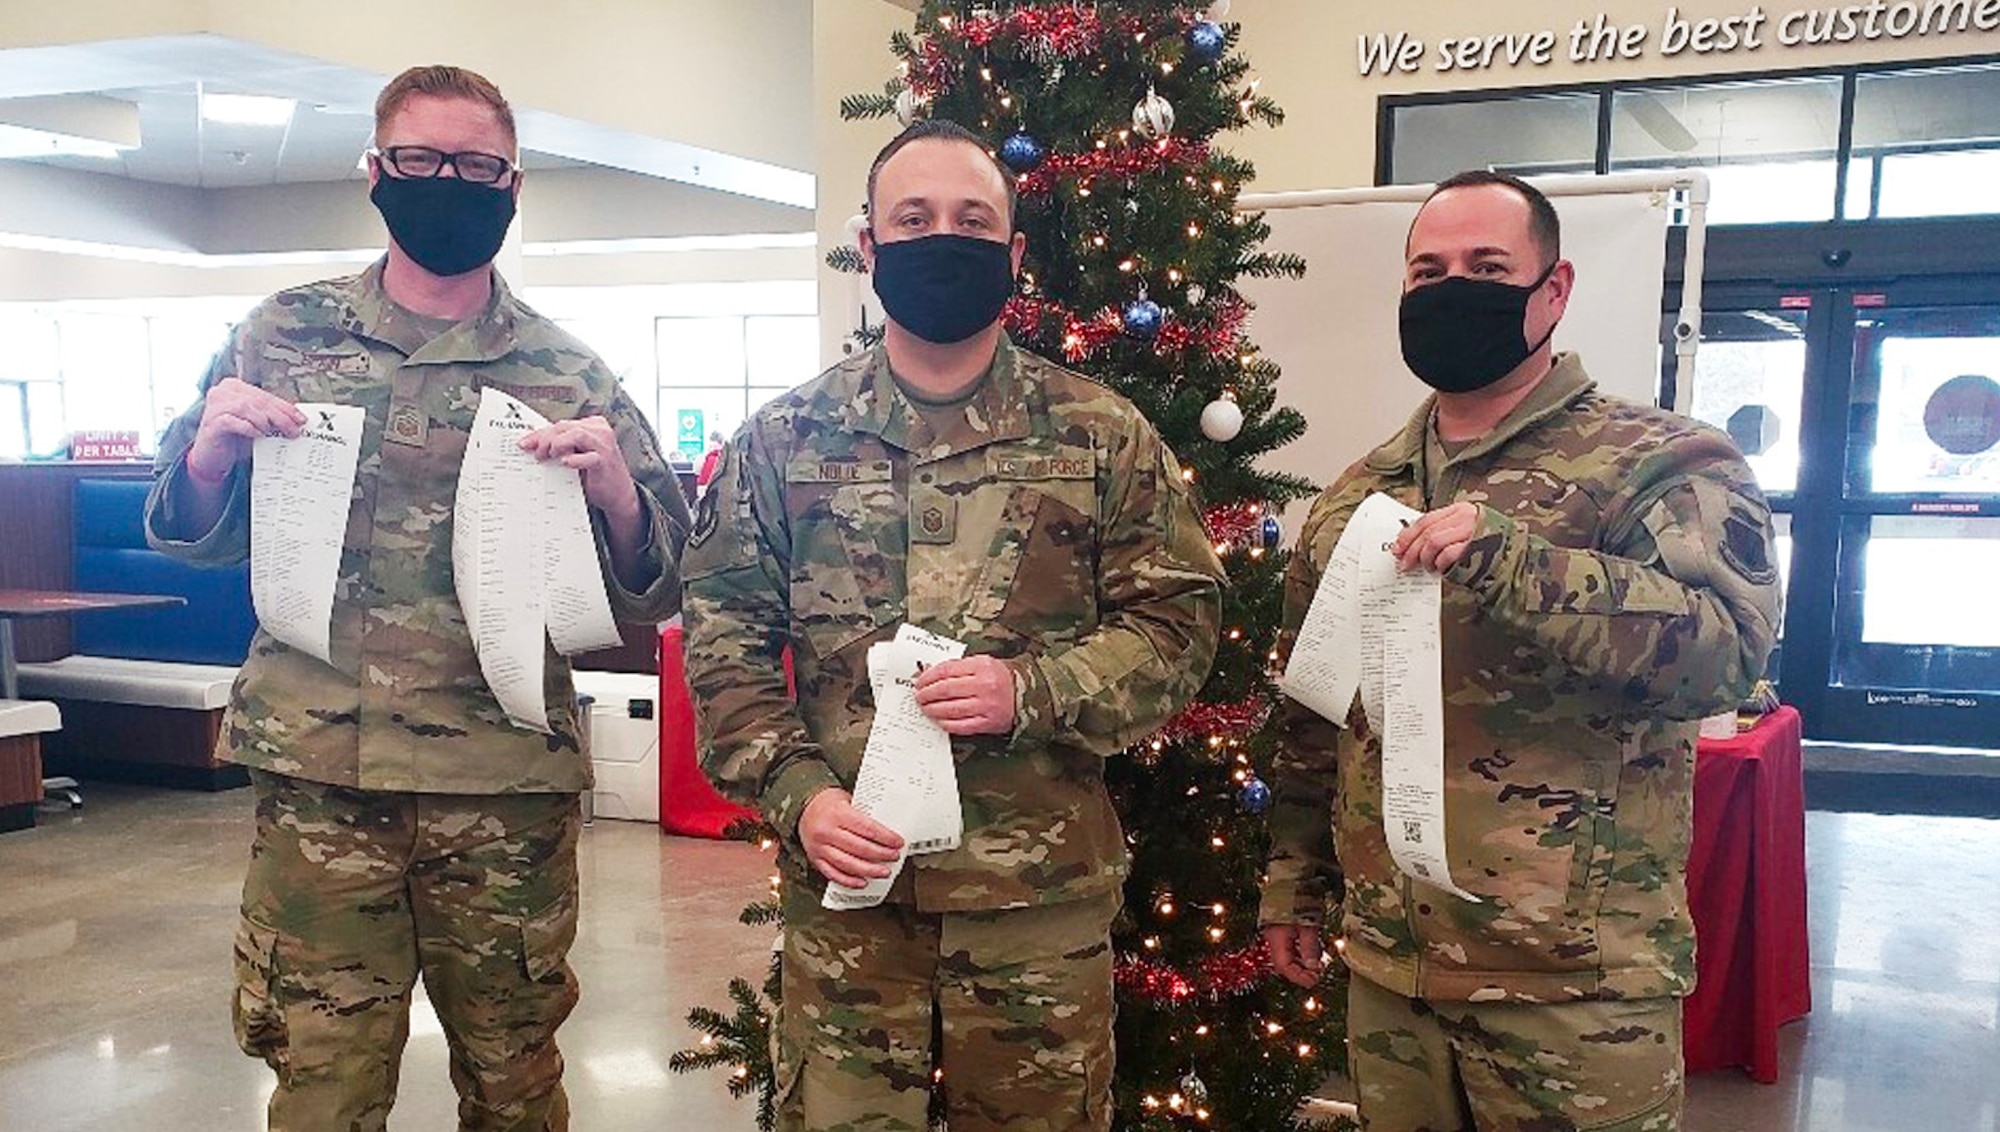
(1153, 117)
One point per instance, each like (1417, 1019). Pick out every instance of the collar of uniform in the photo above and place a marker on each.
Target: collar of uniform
(999, 411)
(1565, 382)
(487, 338)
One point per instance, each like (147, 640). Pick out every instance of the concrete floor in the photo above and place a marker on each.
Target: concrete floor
(115, 927)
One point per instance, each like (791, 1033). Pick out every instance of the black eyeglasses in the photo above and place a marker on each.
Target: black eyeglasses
(423, 161)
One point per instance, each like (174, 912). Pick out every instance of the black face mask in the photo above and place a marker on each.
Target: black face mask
(447, 225)
(944, 288)
(1461, 335)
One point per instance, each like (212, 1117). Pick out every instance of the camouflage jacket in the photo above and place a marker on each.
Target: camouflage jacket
(1620, 587)
(1050, 527)
(403, 706)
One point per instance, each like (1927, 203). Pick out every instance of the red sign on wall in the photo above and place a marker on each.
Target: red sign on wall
(104, 444)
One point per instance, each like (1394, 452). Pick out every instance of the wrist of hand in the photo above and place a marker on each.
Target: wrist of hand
(628, 511)
(200, 476)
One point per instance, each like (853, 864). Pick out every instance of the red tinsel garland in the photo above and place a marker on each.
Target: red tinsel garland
(1218, 336)
(1201, 720)
(1069, 30)
(1218, 976)
(1125, 161)
(1080, 337)
(1229, 523)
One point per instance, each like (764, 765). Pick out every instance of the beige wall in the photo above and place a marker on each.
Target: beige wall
(1305, 51)
(721, 75)
(850, 56)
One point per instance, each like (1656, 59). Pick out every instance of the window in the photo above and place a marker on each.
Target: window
(725, 368)
(696, 358)
(1931, 139)
(1750, 377)
(1922, 141)
(107, 373)
(137, 364)
(1770, 149)
(13, 420)
(182, 350)
(30, 385)
(1533, 135)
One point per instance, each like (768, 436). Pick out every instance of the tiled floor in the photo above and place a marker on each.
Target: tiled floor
(115, 927)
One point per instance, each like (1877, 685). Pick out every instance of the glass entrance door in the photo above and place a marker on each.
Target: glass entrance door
(1871, 415)
(1915, 632)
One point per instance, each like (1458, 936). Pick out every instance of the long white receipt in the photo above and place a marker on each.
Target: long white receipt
(523, 559)
(907, 780)
(300, 491)
(1373, 629)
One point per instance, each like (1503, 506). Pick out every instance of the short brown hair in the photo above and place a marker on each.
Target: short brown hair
(1544, 226)
(441, 80)
(942, 129)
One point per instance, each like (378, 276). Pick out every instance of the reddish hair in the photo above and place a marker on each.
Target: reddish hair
(441, 80)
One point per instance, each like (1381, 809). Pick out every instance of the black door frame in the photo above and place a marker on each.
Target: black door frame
(1897, 264)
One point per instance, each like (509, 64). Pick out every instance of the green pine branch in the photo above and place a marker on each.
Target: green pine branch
(864, 106)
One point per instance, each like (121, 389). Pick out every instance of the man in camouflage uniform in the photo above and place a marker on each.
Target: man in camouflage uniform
(1607, 582)
(951, 481)
(404, 825)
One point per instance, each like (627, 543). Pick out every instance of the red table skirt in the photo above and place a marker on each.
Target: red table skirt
(688, 804)
(1747, 891)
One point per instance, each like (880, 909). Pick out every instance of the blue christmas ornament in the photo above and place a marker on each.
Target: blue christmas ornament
(1022, 153)
(1206, 41)
(1254, 795)
(1143, 319)
(1270, 532)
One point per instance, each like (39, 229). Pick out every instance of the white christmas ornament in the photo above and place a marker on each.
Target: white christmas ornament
(1218, 10)
(856, 224)
(906, 106)
(1153, 117)
(1222, 419)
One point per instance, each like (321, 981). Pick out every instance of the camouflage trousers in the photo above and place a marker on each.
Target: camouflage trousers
(352, 895)
(1019, 1002)
(1424, 1066)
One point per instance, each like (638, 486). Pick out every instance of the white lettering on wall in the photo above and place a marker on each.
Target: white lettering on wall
(1679, 35)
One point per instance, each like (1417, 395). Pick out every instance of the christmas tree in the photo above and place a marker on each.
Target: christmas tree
(1107, 113)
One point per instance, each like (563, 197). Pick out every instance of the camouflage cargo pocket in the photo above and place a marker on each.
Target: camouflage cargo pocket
(258, 1015)
(546, 937)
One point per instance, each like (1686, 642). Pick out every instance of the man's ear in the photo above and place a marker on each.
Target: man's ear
(1017, 249)
(1561, 284)
(866, 238)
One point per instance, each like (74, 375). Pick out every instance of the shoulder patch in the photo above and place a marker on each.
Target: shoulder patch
(706, 517)
(1745, 549)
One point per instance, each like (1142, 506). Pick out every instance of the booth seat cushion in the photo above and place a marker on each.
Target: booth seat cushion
(111, 556)
(142, 683)
(28, 717)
